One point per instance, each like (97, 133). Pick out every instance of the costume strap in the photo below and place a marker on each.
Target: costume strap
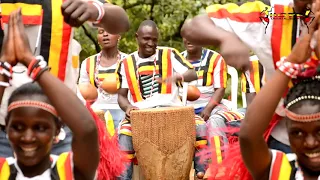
(37, 104)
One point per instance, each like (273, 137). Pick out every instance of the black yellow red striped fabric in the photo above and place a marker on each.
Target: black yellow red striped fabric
(63, 168)
(164, 69)
(55, 33)
(256, 72)
(281, 167)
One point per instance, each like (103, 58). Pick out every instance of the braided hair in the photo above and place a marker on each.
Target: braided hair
(303, 88)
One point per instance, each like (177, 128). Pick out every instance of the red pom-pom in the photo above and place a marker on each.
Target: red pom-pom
(112, 158)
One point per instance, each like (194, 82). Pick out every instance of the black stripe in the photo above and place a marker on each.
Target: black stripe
(54, 173)
(205, 69)
(94, 69)
(13, 172)
(148, 63)
(294, 31)
(23, 1)
(160, 53)
(46, 29)
(261, 72)
(293, 170)
(107, 71)
(119, 70)
(179, 59)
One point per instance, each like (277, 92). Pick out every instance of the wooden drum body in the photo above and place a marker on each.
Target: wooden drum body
(164, 139)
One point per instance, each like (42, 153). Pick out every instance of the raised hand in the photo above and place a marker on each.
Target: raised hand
(21, 43)
(8, 51)
(301, 51)
(76, 12)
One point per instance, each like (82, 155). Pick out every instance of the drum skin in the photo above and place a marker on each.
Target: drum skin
(164, 139)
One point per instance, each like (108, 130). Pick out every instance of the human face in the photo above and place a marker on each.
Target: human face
(191, 49)
(107, 40)
(301, 5)
(31, 132)
(304, 137)
(147, 38)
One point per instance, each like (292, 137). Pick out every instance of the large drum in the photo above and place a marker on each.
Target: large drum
(164, 140)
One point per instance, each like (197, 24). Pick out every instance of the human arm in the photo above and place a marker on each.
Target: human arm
(262, 108)
(84, 77)
(230, 27)
(76, 12)
(79, 119)
(219, 75)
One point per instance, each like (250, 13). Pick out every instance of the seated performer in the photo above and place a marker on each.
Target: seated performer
(35, 114)
(302, 109)
(212, 79)
(150, 75)
(96, 68)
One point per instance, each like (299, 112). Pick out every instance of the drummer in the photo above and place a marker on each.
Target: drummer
(96, 68)
(149, 66)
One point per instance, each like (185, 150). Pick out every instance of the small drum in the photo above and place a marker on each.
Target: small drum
(164, 139)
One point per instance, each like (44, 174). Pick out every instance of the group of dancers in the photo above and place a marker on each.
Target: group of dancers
(279, 133)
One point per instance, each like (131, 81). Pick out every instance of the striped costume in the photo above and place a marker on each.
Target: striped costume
(254, 78)
(212, 74)
(138, 75)
(105, 101)
(285, 167)
(61, 168)
(269, 42)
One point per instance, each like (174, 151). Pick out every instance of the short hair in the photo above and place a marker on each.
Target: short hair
(149, 23)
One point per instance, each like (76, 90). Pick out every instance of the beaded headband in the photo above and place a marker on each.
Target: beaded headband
(37, 104)
(303, 118)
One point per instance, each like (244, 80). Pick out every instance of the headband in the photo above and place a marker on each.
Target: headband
(303, 118)
(37, 104)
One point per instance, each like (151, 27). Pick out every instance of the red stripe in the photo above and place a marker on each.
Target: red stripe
(276, 35)
(2, 161)
(126, 69)
(239, 17)
(169, 71)
(276, 166)
(30, 20)
(68, 168)
(64, 50)
(222, 69)
(148, 72)
(126, 127)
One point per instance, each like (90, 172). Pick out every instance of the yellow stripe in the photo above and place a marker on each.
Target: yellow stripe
(60, 165)
(216, 140)
(256, 75)
(5, 171)
(91, 69)
(104, 75)
(243, 83)
(201, 142)
(286, 33)
(248, 7)
(199, 122)
(211, 63)
(164, 70)
(27, 9)
(225, 74)
(200, 73)
(126, 132)
(148, 68)
(56, 37)
(109, 123)
(130, 156)
(285, 169)
(134, 79)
